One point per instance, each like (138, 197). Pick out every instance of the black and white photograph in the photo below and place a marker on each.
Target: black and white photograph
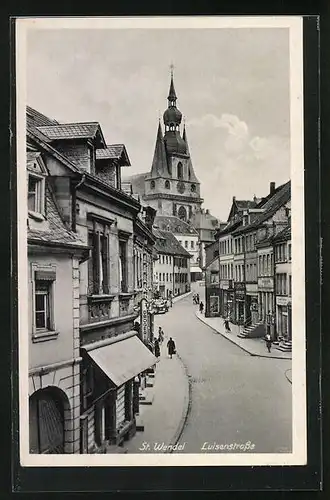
(160, 167)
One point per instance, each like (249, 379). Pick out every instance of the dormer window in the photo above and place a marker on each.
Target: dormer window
(36, 194)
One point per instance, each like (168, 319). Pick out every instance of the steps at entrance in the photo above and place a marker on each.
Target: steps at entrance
(253, 331)
(285, 346)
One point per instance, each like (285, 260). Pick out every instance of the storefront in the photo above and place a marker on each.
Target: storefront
(265, 298)
(240, 303)
(251, 303)
(113, 387)
(283, 323)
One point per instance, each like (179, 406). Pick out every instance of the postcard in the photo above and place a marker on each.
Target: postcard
(160, 170)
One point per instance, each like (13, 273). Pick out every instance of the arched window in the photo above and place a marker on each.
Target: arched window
(167, 185)
(180, 170)
(182, 213)
(152, 184)
(193, 188)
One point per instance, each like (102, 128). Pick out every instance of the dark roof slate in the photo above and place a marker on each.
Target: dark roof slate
(167, 243)
(37, 119)
(174, 225)
(270, 207)
(283, 235)
(113, 152)
(86, 130)
(56, 232)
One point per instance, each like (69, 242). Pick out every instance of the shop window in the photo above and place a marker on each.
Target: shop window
(98, 264)
(36, 194)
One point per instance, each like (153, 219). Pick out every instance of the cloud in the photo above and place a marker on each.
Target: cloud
(237, 164)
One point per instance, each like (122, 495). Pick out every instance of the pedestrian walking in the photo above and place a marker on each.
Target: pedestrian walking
(227, 327)
(197, 298)
(171, 347)
(201, 307)
(268, 342)
(157, 348)
(160, 335)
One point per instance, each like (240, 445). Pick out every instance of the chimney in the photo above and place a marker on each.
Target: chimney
(272, 188)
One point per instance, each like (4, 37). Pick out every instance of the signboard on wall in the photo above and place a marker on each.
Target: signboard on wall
(266, 283)
(214, 305)
(282, 301)
(144, 319)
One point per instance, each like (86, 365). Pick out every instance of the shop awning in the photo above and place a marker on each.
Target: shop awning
(195, 269)
(123, 360)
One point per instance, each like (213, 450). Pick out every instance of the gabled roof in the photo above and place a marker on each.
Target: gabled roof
(283, 235)
(245, 204)
(167, 243)
(174, 225)
(37, 119)
(77, 130)
(114, 152)
(281, 196)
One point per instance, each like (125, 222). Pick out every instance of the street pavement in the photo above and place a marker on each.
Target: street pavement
(235, 398)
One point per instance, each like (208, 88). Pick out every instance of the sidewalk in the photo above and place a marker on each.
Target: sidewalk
(179, 297)
(163, 420)
(254, 347)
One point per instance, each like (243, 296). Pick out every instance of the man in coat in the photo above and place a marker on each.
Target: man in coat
(171, 347)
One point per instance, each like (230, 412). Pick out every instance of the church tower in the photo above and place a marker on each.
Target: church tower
(172, 187)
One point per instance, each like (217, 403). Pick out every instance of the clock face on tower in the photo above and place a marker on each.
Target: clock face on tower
(181, 187)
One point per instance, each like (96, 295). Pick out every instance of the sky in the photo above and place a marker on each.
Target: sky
(232, 87)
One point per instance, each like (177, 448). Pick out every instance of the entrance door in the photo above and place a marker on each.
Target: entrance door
(46, 422)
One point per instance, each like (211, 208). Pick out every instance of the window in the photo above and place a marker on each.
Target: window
(167, 277)
(36, 194)
(123, 265)
(180, 170)
(43, 304)
(290, 285)
(171, 278)
(289, 251)
(152, 184)
(98, 264)
(167, 184)
(186, 244)
(193, 188)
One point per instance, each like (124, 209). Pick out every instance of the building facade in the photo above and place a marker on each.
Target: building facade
(246, 265)
(283, 284)
(55, 255)
(172, 268)
(87, 185)
(187, 236)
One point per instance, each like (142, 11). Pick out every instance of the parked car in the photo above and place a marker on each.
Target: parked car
(160, 306)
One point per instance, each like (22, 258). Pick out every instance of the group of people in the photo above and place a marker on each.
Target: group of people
(171, 348)
(196, 298)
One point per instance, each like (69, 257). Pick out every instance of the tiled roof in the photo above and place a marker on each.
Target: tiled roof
(167, 243)
(86, 130)
(245, 204)
(283, 235)
(113, 152)
(270, 207)
(37, 119)
(174, 225)
(56, 231)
